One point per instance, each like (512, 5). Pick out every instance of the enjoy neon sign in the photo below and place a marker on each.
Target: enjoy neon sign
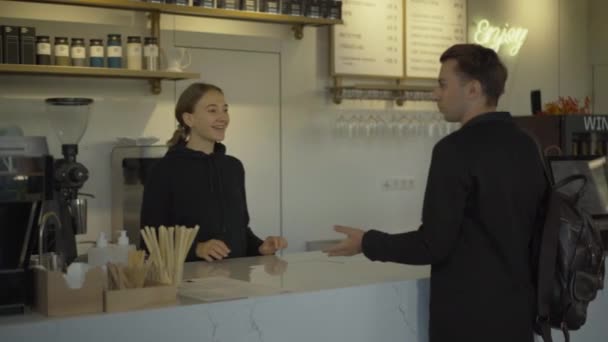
(495, 37)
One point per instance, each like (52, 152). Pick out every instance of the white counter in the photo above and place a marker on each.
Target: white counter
(325, 299)
(306, 272)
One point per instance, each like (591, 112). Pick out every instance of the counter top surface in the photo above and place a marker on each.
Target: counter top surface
(304, 272)
(292, 273)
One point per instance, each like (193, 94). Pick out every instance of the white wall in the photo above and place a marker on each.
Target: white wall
(600, 89)
(574, 41)
(324, 179)
(598, 50)
(598, 28)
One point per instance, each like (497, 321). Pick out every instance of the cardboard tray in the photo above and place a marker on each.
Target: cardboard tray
(54, 298)
(139, 298)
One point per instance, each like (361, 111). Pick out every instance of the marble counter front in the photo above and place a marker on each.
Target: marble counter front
(339, 299)
(321, 299)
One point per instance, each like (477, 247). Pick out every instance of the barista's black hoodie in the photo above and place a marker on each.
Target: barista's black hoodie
(188, 187)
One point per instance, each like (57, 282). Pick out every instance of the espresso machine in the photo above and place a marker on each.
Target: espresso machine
(40, 208)
(26, 175)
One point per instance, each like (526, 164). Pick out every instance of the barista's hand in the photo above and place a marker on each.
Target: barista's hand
(272, 244)
(349, 246)
(212, 250)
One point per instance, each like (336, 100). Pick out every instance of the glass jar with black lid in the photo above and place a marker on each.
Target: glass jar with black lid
(96, 53)
(151, 54)
(270, 6)
(43, 50)
(292, 7)
(62, 51)
(78, 52)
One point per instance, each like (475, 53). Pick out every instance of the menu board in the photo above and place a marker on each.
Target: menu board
(432, 26)
(370, 42)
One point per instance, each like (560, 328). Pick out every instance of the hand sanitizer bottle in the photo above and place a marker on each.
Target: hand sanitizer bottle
(101, 254)
(121, 250)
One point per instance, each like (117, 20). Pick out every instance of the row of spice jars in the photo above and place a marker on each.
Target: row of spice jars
(330, 9)
(74, 53)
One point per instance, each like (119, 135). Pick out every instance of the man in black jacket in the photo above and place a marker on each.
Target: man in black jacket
(482, 204)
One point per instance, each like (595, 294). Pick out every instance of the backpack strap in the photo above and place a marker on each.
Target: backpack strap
(547, 254)
(570, 179)
(566, 332)
(546, 269)
(542, 161)
(564, 181)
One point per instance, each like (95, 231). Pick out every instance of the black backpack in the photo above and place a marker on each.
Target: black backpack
(570, 256)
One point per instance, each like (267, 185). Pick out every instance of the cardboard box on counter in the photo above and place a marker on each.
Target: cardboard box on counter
(54, 298)
(139, 298)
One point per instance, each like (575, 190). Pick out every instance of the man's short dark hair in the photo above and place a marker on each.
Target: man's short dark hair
(482, 64)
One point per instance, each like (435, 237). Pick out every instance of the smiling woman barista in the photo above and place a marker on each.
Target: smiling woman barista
(196, 183)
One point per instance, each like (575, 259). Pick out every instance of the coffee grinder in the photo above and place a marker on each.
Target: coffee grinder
(69, 117)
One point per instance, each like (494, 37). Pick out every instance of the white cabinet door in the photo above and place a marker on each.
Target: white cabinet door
(251, 84)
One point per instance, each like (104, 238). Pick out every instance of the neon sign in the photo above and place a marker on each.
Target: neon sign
(495, 37)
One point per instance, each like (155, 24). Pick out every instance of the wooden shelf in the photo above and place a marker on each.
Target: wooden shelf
(195, 11)
(69, 71)
(54, 70)
(155, 10)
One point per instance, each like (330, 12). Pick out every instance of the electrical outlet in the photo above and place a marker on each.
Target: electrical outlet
(406, 184)
(398, 184)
